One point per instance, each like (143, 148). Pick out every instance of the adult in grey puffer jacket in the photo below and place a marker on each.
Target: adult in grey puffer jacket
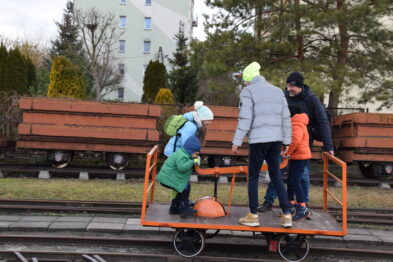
(264, 116)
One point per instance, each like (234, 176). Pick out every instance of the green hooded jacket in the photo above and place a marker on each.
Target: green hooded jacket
(176, 170)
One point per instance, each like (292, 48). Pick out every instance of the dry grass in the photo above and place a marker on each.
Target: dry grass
(111, 190)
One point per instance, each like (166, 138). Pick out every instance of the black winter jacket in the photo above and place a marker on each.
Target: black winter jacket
(318, 119)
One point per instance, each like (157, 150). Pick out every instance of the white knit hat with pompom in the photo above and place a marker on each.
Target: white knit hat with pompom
(204, 113)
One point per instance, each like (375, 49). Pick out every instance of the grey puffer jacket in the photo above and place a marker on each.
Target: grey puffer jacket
(264, 114)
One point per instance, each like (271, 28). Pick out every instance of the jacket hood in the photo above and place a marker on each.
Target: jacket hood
(300, 118)
(192, 145)
(303, 94)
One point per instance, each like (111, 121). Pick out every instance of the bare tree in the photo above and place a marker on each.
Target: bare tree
(100, 37)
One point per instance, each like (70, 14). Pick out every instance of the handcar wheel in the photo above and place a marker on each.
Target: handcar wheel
(189, 242)
(293, 248)
(59, 159)
(117, 161)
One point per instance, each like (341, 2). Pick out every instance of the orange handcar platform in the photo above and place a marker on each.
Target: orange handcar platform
(291, 243)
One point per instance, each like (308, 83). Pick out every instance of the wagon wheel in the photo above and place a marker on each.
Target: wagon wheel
(59, 159)
(366, 170)
(293, 248)
(382, 171)
(189, 242)
(117, 161)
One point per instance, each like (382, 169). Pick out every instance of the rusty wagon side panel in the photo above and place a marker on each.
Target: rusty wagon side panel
(364, 137)
(87, 125)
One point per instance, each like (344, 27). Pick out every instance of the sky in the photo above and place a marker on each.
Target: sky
(35, 19)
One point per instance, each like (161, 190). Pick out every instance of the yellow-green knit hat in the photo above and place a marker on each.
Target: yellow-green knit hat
(251, 71)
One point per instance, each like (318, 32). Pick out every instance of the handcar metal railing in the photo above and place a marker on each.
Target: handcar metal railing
(343, 181)
(151, 169)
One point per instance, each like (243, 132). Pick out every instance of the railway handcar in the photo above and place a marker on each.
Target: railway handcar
(190, 233)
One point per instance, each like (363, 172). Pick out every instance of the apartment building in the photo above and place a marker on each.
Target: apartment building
(148, 27)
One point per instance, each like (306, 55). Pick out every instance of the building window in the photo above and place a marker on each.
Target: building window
(122, 22)
(146, 47)
(122, 46)
(123, 2)
(120, 93)
(148, 23)
(121, 69)
(147, 2)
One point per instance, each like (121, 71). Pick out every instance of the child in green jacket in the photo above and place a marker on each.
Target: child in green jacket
(175, 174)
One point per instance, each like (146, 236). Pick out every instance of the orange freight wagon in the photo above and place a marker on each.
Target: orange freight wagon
(366, 138)
(63, 127)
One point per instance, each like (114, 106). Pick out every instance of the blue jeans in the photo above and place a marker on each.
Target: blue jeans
(271, 153)
(271, 194)
(294, 186)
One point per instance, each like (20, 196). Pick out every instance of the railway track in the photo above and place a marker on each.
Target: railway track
(355, 215)
(104, 172)
(160, 249)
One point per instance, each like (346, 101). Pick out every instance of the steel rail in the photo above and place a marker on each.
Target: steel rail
(218, 247)
(355, 215)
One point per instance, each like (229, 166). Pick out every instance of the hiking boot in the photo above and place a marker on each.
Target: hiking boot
(286, 220)
(250, 220)
(185, 210)
(302, 212)
(191, 204)
(266, 206)
(174, 208)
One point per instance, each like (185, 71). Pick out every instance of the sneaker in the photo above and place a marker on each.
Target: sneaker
(302, 212)
(251, 220)
(185, 210)
(286, 220)
(266, 206)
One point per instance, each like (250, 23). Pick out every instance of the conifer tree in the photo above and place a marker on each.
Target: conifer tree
(66, 80)
(337, 44)
(3, 65)
(31, 77)
(153, 81)
(16, 73)
(69, 43)
(183, 77)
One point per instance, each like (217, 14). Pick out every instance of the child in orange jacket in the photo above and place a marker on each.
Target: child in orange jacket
(299, 154)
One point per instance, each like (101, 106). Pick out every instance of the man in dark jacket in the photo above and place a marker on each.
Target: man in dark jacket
(299, 94)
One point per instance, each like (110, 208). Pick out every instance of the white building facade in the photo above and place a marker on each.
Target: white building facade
(147, 26)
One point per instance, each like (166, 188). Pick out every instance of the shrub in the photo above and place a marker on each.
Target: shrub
(66, 80)
(164, 96)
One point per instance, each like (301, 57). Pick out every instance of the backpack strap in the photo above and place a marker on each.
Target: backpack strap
(179, 134)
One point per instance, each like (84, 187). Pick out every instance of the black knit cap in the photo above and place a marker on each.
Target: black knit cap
(295, 79)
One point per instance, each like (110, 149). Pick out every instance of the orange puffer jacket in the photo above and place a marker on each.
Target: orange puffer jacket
(299, 148)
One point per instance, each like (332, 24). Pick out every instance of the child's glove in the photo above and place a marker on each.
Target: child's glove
(197, 161)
